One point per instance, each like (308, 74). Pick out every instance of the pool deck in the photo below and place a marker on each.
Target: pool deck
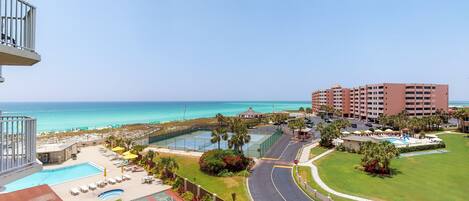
(133, 188)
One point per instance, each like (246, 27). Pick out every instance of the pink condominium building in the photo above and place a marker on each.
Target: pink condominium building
(368, 102)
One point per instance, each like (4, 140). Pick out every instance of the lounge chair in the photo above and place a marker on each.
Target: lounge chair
(126, 177)
(111, 181)
(74, 191)
(118, 179)
(101, 183)
(92, 187)
(84, 189)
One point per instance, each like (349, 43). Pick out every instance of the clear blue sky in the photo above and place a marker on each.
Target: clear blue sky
(239, 49)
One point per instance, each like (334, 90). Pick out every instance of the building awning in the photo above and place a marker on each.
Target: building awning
(42, 192)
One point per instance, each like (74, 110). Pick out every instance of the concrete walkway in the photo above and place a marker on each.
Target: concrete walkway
(317, 179)
(304, 154)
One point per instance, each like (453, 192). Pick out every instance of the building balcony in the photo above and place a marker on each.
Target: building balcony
(17, 148)
(17, 33)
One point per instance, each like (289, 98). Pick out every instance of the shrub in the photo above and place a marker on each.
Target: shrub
(206, 197)
(178, 183)
(187, 196)
(422, 147)
(217, 161)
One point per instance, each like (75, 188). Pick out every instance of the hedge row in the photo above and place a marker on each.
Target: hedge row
(422, 147)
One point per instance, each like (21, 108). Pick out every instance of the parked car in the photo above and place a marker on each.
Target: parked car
(354, 125)
(369, 124)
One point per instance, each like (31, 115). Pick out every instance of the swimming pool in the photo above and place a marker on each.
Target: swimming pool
(110, 194)
(54, 176)
(397, 141)
(200, 141)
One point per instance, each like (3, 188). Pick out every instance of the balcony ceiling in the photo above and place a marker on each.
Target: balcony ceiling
(17, 57)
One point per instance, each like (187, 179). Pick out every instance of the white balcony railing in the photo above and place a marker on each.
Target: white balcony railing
(17, 24)
(17, 142)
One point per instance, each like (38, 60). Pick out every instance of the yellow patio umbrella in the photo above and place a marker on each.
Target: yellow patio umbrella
(118, 149)
(126, 153)
(105, 172)
(130, 156)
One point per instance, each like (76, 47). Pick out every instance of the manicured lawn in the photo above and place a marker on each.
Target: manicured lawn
(305, 172)
(316, 151)
(425, 177)
(222, 186)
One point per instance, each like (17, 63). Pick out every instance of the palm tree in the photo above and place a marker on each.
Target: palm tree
(377, 156)
(240, 135)
(110, 140)
(167, 166)
(128, 143)
(219, 134)
(221, 120)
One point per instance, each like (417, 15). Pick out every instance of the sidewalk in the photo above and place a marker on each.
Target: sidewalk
(315, 173)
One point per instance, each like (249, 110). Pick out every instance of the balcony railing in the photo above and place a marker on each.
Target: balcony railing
(17, 24)
(17, 142)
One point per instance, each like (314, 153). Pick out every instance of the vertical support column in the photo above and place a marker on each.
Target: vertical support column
(185, 184)
(198, 191)
(214, 197)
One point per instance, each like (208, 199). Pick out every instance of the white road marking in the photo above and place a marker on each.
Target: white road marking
(273, 183)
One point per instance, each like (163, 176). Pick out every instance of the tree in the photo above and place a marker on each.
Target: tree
(302, 109)
(331, 131)
(293, 125)
(460, 114)
(221, 120)
(240, 135)
(309, 110)
(219, 134)
(278, 118)
(377, 156)
(167, 165)
(128, 143)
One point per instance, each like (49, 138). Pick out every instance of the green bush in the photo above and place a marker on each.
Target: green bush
(422, 147)
(206, 197)
(217, 161)
(187, 196)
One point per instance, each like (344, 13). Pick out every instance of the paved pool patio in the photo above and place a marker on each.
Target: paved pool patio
(133, 188)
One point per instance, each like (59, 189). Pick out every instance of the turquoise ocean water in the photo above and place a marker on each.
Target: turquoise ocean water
(59, 116)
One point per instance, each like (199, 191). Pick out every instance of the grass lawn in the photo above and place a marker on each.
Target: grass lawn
(305, 172)
(316, 151)
(426, 177)
(222, 186)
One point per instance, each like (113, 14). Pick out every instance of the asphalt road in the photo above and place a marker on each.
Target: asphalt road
(272, 178)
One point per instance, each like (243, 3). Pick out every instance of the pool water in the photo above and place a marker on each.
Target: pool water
(54, 176)
(110, 194)
(397, 141)
(200, 141)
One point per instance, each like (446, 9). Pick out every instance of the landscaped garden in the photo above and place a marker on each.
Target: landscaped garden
(222, 186)
(424, 177)
(316, 151)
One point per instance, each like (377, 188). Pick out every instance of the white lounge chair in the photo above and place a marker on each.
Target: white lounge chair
(118, 179)
(92, 187)
(74, 191)
(111, 181)
(126, 176)
(84, 189)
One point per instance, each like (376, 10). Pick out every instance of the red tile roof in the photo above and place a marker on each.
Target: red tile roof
(37, 193)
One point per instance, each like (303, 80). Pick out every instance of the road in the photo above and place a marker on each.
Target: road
(272, 178)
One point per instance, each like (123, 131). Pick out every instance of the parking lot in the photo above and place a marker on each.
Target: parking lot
(360, 124)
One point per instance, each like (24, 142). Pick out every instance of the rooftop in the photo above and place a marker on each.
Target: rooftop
(46, 148)
(359, 138)
(42, 192)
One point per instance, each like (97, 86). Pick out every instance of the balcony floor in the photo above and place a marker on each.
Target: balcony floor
(17, 57)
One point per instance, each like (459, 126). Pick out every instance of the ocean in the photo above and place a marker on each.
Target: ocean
(60, 116)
